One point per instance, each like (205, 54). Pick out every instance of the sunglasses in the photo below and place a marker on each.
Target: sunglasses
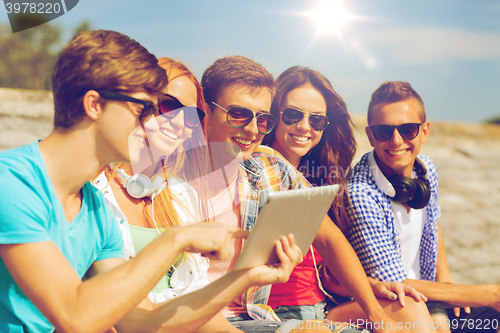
(292, 116)
(239, 117)
(170, 107)
(149, 108)
(408, 131)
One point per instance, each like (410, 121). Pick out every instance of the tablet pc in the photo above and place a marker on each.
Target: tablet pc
(298, 212)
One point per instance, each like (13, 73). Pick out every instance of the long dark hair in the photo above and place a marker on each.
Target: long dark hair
(329, 162)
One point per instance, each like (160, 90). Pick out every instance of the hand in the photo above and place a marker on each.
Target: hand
(457, 311)
(395, 290)
(212, 240)
(289, 255)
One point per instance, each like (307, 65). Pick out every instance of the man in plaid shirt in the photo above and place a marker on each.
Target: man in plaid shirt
(395, 212)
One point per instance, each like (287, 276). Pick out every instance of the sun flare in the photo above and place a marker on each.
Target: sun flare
(331, 16)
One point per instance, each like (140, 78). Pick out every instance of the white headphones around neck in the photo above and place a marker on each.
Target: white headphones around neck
(139, 185)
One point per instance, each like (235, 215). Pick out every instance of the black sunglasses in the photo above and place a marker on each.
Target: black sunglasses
(170, 107)
(292, 116)
(239, 117)
(408, 131)
(149, 107)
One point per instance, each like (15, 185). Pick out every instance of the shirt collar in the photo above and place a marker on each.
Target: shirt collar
(381, 181)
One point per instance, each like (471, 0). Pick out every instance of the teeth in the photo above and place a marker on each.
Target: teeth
(242, 141)
(169, 134)
(397, 152)
(139, 138)
(300, 138)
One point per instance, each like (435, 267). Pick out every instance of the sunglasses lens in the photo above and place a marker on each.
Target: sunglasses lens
(170, 108)
(239, 117)
(167, 104)
(291, 116)
(382, 132)
(318, 122)
(408, 131)
(193, 116)
(265, 123)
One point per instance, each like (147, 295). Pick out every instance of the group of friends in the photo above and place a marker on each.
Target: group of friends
(131, 214)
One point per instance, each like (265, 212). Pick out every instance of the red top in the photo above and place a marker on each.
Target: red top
(302, 286)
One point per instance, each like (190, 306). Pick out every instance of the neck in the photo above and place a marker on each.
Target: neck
(71, 159)
(293, 159)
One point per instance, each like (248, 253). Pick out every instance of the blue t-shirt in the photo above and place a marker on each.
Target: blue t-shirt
(30, 211)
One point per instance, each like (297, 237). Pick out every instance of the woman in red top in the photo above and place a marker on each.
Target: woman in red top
(314, 133)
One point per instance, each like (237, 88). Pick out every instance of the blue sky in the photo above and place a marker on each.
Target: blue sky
(449, 50)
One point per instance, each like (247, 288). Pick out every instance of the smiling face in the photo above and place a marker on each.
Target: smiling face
(117, 125)
(396, 155)
(247, 138)
(296, 140)
(167, 134)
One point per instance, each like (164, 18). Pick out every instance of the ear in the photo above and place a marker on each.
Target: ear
(91, 104)
(369, 134)
(425, 132)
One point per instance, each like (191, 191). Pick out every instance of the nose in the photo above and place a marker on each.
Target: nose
(178, 120)
(303, 124)
(252, 127)
(396, 137)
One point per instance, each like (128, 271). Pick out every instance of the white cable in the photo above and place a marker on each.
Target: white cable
(320, 285)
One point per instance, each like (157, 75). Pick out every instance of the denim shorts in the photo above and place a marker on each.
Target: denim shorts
(247, 325)
(301, 312)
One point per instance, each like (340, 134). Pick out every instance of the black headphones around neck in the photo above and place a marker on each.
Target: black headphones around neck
(416, 193)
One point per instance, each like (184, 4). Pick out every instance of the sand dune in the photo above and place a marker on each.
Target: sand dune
(467, 157)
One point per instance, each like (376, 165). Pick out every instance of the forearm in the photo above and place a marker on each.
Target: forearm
(459, 295)
(442, 269)
(218, 323)
(92, 301)
(95, 304)
(345, 265)
(189, 312)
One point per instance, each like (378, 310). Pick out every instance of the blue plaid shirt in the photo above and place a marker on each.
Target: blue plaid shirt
(374, 235)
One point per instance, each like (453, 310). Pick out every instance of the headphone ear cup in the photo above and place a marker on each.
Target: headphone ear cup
(422, 194)
(405, 188)
(138, 186)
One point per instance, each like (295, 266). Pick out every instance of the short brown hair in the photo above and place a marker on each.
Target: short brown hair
(392, 92)
(104, 60)
(231, 70)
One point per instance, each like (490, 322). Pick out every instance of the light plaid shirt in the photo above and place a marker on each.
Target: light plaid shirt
(374, 235)
(264, 172)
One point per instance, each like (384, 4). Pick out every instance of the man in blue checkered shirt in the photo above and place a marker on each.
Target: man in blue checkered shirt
(395, 213)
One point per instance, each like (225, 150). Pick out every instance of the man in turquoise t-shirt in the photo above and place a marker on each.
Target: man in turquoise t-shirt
(55, 227)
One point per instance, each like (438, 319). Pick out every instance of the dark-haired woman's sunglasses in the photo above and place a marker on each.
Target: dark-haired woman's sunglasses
(292, 116)
(149, 108)
(408, 131)
(170, 107)
(239, 117)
